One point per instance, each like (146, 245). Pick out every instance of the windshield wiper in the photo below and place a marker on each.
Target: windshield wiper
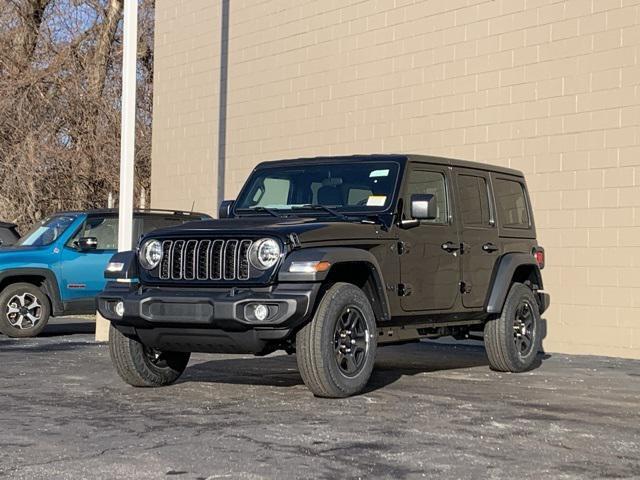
(317, 206)
(259, 209)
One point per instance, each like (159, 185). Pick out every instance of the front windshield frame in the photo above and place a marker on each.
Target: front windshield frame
(295, 209)
(30, 239)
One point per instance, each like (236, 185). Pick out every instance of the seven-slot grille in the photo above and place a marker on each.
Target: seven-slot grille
(205, 259)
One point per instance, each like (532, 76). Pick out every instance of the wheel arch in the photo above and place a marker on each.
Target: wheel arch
(351, 265)
(39, 277)
(512, 267)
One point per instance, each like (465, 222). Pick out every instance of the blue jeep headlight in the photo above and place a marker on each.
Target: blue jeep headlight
(150, 254)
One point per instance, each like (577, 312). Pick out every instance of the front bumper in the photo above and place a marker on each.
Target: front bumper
(211, 320)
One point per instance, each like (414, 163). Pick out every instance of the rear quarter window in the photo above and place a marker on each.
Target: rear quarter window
(511, 204)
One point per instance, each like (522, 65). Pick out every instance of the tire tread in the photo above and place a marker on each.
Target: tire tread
(498, 335)
(315, 372)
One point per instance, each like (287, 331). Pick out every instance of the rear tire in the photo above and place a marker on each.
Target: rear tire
(336, 351)
(142, 366)
(512, 340)
(24, 310)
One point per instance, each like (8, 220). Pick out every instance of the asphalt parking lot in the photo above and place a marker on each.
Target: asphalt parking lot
(432, 411)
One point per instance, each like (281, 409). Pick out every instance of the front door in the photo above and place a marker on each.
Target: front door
(429, 262)
(480, 245)
(83, 271)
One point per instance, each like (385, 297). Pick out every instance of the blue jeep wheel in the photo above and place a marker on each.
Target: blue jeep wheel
(24, 310)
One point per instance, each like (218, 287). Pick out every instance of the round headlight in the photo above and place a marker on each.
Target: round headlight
(150, 254)
(264, 253)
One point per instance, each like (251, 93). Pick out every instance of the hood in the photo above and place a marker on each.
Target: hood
(307, 229)
(16, 257)
(13, 249)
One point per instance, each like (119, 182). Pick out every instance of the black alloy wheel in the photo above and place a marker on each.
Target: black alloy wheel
(523, 328)
(351, 341)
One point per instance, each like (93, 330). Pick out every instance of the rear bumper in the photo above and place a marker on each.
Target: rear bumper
(208, 320)
(544, 300)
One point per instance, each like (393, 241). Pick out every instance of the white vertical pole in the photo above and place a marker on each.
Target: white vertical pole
(128, 132)
(127, 141)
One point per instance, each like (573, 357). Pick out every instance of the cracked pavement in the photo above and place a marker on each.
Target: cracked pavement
(432, 411)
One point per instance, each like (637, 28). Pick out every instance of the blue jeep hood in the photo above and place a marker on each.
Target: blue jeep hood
(25, 257)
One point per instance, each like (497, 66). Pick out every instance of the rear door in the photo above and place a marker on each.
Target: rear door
(480, 244)
(430, 274)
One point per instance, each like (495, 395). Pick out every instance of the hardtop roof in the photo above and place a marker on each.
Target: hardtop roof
(452, 162)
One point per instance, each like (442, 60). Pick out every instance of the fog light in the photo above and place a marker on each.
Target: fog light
(119, 309)
(260, 311)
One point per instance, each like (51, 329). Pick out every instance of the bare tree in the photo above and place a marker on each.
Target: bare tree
(60, 92)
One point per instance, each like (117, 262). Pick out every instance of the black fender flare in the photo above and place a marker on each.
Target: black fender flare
(335, 256)
(129, 270)
(49, 286)
(503, 274)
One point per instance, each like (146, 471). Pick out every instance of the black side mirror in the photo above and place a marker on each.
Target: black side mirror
(87, 243)
(423, 206)
(226, 206)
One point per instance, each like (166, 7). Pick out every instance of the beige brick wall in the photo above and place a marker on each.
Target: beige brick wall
(185, 110)
(550, 87)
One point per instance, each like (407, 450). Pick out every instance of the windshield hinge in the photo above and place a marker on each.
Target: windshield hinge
(294, 240)
(403, 248)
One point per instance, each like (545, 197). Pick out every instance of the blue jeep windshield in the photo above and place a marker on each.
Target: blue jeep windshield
(46, 232)
(345, 187)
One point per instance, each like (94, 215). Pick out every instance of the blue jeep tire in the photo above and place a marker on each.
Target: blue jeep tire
(24, 310)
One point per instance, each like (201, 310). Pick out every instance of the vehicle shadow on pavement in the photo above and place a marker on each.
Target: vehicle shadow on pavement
(24, 345)
(59, 329)
(393, 363)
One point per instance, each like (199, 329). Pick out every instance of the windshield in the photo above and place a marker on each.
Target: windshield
(46, 232)
(366, 187)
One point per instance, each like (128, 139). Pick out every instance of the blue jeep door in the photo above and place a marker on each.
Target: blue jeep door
(83, 270)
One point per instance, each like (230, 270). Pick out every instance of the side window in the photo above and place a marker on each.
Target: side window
(434, 183)
(474, 201)
(105, 230)
(511, 204)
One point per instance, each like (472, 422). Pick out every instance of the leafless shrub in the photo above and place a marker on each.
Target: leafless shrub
(60, 89)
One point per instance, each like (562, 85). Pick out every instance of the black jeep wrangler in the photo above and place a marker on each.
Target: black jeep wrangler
(328, 258)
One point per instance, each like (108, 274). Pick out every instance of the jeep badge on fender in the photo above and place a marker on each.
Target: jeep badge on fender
(330, 258)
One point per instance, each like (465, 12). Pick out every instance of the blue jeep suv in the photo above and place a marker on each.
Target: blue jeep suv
(57, 268)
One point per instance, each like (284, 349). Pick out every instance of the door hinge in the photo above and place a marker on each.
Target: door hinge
(404, 289)
(465, 287)
(403, 248)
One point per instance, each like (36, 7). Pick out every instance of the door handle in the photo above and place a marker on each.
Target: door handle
(489, 247)
(450, 247)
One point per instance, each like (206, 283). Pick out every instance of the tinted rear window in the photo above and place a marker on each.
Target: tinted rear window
(474, 199)
(511, 204)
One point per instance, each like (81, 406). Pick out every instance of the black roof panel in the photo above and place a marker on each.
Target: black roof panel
(398, 157)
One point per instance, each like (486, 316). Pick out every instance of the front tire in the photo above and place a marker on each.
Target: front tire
(141, 366)
(513, 339)
(24, 310)
(336, 351)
